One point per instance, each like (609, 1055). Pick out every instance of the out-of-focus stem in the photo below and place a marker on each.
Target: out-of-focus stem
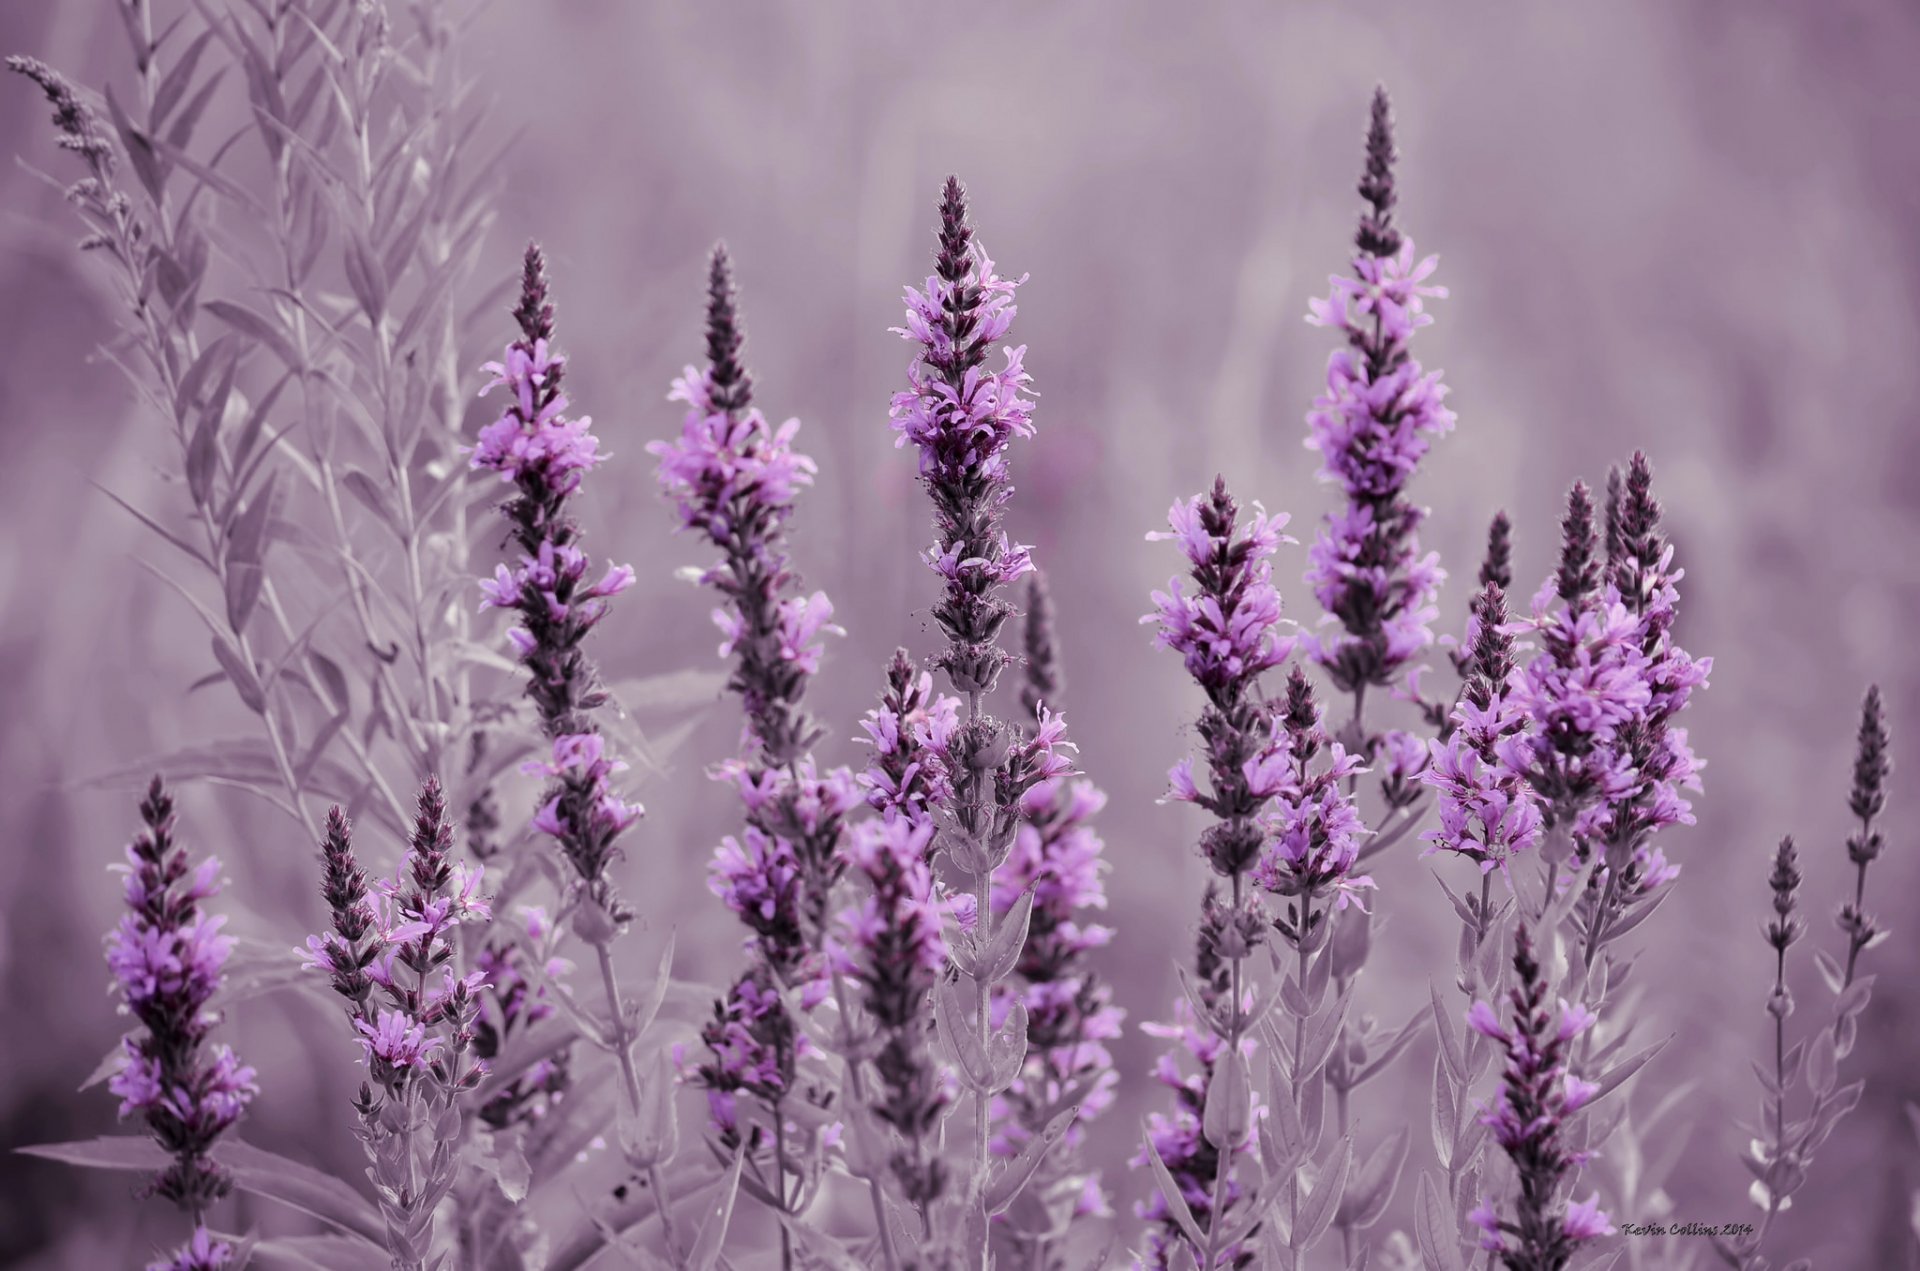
(1223, 1174)
(860, 1095)
(621, 1042)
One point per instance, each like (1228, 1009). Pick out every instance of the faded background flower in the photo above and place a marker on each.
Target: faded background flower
(1679, 227)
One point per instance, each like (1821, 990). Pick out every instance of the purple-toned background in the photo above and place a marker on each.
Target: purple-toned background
(1681, 226)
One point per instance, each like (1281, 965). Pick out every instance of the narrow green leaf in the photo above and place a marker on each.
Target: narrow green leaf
(713, 1232)
(1433, 1227)
(250, 322)
(301, 1187)
(240, 674)
(109, 1151)
(246, 552)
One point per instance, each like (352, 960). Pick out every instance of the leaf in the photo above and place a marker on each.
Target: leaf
(258, 968)
(1829, 970)
(1456, 1059)
(246, 551)
(1004, 1189)
(318, 1253)
(267, 331)
(1371, 1189)
(318, 747)
(301, 1187)
(1228, 1112)
(139, 150)
(154, 525)
(1853, 999)
(1823, 1062)
(1003, 951)
(1444, 1115)
(178, 79)
(245, 683)
(1170, 1193)
(1627, 1067)
(109, 1151)
(817, 1248)
(641, 1010)
(109, 1064)
(683, 690)
(203, 451)
(713, 1232)
(1324, 1202)
(1401, 1040)
(1007, 1049)
(1433, 1228)
(331, 678)
(240, 761)
(365, 277)
(365, 489)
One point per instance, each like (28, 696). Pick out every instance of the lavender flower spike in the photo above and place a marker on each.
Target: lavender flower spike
(733, 478)
(545, 455)
(1374, 423)
(167, 956)
(892, 945)
(963, 416)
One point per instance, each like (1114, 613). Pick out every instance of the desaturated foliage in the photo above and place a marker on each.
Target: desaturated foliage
(903, 1066)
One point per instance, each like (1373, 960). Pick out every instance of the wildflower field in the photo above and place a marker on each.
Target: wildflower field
(1043, 637)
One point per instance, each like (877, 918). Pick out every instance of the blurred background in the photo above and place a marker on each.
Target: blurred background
(1686, 227)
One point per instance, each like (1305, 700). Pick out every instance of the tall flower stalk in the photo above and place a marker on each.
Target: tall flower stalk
(1781, 1144)
(168, 958)
(733, 478)
(545, 454)
(1379, 414)
(1228, 633)
(963, 415)
(1058, 862)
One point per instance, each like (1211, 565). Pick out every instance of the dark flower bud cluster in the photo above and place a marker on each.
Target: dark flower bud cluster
(1785, 926)
(1538, 1092)
(168, 958)
(891, 944)
(1872, 765)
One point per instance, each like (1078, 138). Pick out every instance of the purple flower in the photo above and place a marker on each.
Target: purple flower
(168, 960)
(753, 1048)
(398, 936)
(202, 1252)
(1488, 811)
(516, 1001)
(395, 1042)
(1536, 1095)
(1375, 421)
(892, 944)
(910, 732)
(533, 441)
(1228, 632)
(1057, 855)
